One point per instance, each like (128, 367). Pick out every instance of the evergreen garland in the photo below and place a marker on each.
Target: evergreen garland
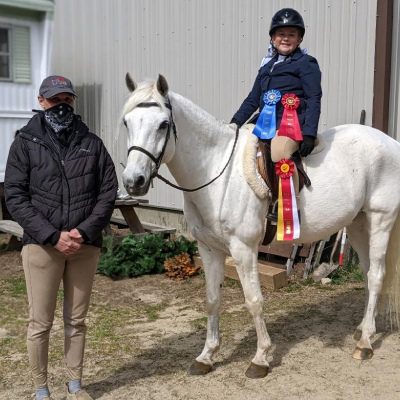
(135, 256)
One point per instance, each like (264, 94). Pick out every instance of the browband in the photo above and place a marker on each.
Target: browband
(153, 104)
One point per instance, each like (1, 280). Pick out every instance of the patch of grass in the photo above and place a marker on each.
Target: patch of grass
(308, 282)
(56, 350)
(199, 323)
(103, 327)
(15, 286)
(106, 323)
(13, 305)
(349, 273)
(60, 295)
(9, 345)
(153, 310)
(328, 288)
(231, 283)
(293, 287)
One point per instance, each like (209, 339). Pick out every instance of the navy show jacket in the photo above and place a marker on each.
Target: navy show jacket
(299, 74)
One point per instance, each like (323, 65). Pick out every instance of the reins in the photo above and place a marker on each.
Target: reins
(157, 161)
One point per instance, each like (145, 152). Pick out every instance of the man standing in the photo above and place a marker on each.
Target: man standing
(60, 186)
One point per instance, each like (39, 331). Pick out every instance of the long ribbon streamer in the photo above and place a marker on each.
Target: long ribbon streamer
(266, 122)
(288, 227)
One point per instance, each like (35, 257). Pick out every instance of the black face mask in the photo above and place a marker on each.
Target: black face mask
(59, 116)
(61, 112)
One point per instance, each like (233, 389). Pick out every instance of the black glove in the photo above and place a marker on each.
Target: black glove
(234, 121)
(307, 145)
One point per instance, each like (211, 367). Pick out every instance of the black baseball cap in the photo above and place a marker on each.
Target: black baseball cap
(55, 84)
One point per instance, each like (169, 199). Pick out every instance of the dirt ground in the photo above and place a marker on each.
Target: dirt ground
(144, 333)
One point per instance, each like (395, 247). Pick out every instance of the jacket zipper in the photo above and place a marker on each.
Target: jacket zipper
(60, 162)
(66, 181)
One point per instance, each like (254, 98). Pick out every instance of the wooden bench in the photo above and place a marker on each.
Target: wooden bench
(126, 206)
(147, 227)
(129, 218)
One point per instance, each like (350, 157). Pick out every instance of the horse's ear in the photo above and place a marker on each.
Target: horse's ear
(130, 82)
(162, 85)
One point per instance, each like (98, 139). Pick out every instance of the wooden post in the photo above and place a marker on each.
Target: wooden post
(383, 57)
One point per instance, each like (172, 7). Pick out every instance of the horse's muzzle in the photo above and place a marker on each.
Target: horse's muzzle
(137, 185)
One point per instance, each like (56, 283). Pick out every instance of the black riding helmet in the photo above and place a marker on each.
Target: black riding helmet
(287, 17)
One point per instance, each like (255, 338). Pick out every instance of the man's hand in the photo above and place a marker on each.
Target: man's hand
(67, 244)
(75, 235)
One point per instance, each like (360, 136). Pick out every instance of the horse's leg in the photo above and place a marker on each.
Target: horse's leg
(359, 240)
(380, 227)
(213, 263)
(247, 268)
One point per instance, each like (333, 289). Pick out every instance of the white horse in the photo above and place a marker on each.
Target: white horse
(354, 184)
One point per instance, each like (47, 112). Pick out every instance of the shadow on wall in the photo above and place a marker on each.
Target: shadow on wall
(88, 105)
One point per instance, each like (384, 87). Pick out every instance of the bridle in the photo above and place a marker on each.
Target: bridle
(157, 161)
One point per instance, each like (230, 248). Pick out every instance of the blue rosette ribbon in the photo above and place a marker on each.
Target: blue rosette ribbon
(266, 122)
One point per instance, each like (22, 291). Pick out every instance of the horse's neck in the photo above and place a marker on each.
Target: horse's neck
(201, 144)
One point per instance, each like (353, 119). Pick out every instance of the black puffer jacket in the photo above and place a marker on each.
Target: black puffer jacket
(48, 191)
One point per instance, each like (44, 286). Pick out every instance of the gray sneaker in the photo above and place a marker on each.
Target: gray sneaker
(33, 397)
(79, 395)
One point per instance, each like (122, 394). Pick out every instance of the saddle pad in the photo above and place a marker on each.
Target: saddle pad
(250, 170)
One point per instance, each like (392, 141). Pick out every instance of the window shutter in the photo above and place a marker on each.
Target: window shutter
(21, 50)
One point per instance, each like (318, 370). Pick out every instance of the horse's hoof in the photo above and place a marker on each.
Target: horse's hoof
(199, 368)
(357, 334)
(362, 354)
(257, 371)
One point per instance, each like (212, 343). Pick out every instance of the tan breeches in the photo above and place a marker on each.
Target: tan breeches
(45, 268)
(284, 147)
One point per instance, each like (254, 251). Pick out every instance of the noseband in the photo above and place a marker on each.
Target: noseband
(157, 161)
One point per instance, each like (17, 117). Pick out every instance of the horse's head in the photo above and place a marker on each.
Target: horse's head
(147, 116)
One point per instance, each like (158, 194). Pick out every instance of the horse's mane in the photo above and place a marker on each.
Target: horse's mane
(145, 91)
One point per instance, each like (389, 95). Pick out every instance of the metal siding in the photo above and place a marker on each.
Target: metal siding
(210, 52)
(394, 111)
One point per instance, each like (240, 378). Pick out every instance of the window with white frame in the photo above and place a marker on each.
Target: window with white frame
(5, 54)
(15, 56)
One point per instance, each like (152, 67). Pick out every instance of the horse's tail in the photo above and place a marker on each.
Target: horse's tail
(391, 284)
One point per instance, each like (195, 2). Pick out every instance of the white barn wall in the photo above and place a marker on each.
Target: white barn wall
(209, 51)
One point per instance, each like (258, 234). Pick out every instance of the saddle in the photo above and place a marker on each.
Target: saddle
(266, 169)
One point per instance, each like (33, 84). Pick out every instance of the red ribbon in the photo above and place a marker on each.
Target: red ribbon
(288, 227)
(290, 125)
(284, 168)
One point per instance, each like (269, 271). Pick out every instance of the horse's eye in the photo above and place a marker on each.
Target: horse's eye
(163, 125)
(124, 121)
